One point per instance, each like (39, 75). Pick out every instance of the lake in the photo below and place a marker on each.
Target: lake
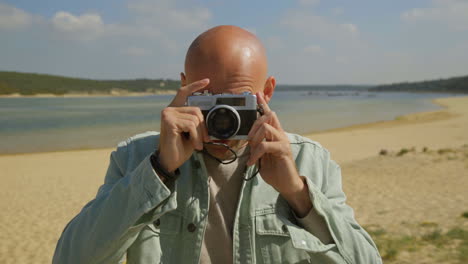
(51, 124)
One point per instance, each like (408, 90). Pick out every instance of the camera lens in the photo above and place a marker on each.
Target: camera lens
(223, 122)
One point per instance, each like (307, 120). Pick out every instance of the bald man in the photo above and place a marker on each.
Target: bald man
(168, 197)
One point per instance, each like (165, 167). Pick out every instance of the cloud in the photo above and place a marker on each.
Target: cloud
(337, 11)
(309, 2)
(162, 13)
(162, 21)
(274, 43)
(313, 49)
(14, 18)
(450, 13)
(88, 25)
(341, 59)
(136, 51)
(170, 23)
(311, 24)
(351, 28)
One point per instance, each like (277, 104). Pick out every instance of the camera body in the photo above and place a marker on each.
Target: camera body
(227, 116)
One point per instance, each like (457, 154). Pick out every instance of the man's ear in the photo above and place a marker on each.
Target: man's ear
(183, 79)
(269, 88)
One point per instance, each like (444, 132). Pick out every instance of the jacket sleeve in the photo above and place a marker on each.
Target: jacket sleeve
(316, 225)
(108, 225)
(353, 243)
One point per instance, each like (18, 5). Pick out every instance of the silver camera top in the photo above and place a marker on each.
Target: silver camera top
(207, 100)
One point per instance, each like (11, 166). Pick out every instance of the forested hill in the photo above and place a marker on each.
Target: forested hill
(450, 85)
(32, 83)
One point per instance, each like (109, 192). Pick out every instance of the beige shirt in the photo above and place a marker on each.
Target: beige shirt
(225, 182)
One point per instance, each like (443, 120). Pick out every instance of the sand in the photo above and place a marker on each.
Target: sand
(40, 193)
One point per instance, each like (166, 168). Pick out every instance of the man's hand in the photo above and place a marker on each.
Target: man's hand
(182, 128)
(269, 142)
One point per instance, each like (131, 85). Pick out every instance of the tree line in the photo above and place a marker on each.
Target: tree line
(32, 83)
(450, 85)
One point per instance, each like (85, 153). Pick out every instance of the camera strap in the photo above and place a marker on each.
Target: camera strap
(205, 151)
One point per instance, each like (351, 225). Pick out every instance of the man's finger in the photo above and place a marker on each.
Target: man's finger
(266, 131)
(256, 126)
(269, 118)
(184, 91)
(198, 137)
(197, 112)
(262, 149)
(261, 101)
(206, 137)
(274, 121)
(189, 126)
(192, 110)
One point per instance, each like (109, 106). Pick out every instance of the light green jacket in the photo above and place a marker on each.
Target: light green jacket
(136, 215)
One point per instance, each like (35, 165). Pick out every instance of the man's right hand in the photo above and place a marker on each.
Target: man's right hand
(182, 128)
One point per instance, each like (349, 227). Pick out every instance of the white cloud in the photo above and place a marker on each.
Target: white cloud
(341, 59)
(351, 28)
(310, 24)
(273, 43)
(159, 20)
(313, 49)
(88, 25)
(164, 13)
(309, 2)
(136, 51)
(14, 18)
(338, 11)
(451, 13)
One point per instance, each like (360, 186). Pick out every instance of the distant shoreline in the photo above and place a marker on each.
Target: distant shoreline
(77, 95)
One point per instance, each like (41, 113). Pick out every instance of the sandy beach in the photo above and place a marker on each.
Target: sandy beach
(406, 179)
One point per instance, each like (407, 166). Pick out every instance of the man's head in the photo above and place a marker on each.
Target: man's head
(233, 59)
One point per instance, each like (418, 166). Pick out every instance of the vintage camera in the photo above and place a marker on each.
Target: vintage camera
(227, 116)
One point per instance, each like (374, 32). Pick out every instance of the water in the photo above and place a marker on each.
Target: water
(50, 124)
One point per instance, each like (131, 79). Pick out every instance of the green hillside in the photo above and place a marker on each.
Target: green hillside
(450, 85)
(32, 83)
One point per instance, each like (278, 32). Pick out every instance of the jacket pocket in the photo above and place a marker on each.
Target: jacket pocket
(158, 242)
(168, 224)
(279, 240)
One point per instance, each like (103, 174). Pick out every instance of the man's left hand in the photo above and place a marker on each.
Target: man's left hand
(270, 144)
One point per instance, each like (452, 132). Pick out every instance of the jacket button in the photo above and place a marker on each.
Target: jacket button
(196, 164)
(284, 228)
(191, 227)
(157, 223)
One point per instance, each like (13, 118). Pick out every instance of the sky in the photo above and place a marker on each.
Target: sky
(307, 41)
